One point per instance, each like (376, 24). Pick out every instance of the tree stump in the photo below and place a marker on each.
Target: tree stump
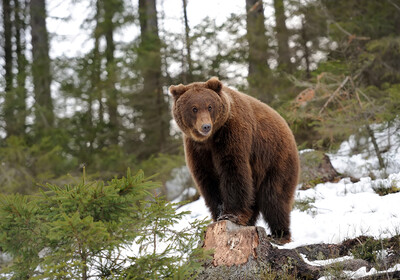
(233, 244)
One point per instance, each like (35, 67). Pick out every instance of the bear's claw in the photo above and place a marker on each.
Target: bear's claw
(230, 217)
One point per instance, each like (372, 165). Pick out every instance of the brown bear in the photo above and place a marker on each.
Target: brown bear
(240, 152)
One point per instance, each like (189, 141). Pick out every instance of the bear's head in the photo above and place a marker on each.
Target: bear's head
(200, 109)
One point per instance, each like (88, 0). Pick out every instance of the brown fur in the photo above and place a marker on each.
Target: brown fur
(246, 163)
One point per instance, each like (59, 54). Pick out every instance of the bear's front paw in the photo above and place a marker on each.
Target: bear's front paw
(229, 217)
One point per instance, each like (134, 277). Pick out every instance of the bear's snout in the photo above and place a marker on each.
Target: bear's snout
(205, 128)
(204, 124)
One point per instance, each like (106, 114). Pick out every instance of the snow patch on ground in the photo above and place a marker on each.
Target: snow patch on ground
(325, 262)
(362, 272)
(346, 210)
(365, 163)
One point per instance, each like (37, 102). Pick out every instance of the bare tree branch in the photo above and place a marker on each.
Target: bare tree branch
(394, 4)
(334, 94)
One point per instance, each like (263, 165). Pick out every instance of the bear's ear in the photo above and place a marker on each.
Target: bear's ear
(214, 84)
(177, 91)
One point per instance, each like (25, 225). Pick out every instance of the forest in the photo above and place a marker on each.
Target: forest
(73, 124)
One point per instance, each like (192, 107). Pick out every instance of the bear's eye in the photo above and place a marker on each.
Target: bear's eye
(209, 108)
(194, 110)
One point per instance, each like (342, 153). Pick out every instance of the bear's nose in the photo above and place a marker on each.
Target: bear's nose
(206, 127)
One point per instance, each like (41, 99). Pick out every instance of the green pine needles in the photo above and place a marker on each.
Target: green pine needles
(97, 230)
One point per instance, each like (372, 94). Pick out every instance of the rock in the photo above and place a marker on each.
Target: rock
(316, 168)
(321, 251)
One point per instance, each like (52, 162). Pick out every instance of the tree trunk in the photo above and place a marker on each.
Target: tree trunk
(41, 67)
(112, 96)
(152, 103)
(84, 265)
(8, 70)
(258, 46)
(96, 88)
(20, 107)
(306, 56)
(282, 36)
(96, 63)
(376, 147)
(187, 77)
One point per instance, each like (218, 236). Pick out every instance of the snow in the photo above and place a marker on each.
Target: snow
(343, 210)
(346, 210)
(326, 262)
(177, 187)
(366, 163)
(362, 272)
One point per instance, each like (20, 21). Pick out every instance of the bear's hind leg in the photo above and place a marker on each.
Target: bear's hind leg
(254, 216)
(278, 219)
(276, 210)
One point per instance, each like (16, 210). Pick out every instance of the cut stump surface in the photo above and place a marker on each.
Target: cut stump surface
(233, 244)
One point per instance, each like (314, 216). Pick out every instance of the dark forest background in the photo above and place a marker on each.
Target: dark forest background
(331, 68)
